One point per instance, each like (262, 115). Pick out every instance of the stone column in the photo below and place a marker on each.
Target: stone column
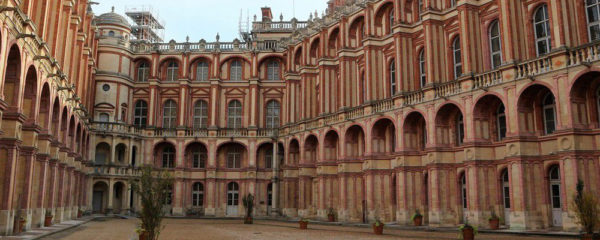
(275, 181)
(109, 206)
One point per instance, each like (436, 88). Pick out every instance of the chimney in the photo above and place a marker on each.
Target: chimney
(267, 15)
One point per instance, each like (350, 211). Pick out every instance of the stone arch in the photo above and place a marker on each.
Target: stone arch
(585, 101)
(165, 155)
(30, 94)
(196, 155)
(311, 150)
(264, 155)
(55, 117)
(44, 109)
(100, 197)
(314, 51)
(232, 155)
(120, 154)
(414, 132)
(489, 119)
(331, 146)
(293, 153)
(103, 154)
(384, 18)
(536, 109)
(12, 78)
(383, 136)
(449, 125)
(355, 142)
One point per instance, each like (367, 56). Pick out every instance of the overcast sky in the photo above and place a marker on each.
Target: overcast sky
(202, 19)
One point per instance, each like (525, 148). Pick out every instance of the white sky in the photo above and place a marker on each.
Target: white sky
(204, 18)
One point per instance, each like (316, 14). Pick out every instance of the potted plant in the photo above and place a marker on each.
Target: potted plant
(494, 221)
(331, 214)
(303, 223)
(153, 189)
(48, 219)
(378, 227)
(248, 201)
(417, 218)
(587, 212)
(142, 234)
(467, 231)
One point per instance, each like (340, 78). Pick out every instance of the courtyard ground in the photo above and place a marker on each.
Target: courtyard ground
(183, 229)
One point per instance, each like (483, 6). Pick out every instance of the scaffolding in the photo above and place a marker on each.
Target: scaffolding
(147, 25)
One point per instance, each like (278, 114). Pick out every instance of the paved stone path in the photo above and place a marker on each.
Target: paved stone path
(184, 229)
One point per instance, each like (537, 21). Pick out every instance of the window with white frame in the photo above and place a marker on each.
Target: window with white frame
(202, 71)
(422, 73)
(457, 58)
(169, 114)
(392, 76)
(168, 157)
(198, 195)
(273, 71)
(235, 70)
(172, 71)
(495, 44)
(549, 113)
(541, 25)
(273, 112)
(234, 157)
(460, 130)
(593, 19)
(199, 157)
(234, 114)
(501, 122)
(200, 114)
(143, 72)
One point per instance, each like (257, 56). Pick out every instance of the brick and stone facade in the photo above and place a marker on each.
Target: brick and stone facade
(378, 109)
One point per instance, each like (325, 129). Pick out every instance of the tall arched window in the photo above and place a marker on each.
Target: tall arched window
(273, 71)
(143, 72)
(420, 9)
(168, 157)
(457, 58)
(272, 118)
(392, 72)
(104, 117)
(501, 122)
(197, 195)
(235, 70)
(172, 71)
(549, 112)
(140, 114)
(495, 45)
(234, 114)
(202, 71)
(452, 3)
(593, 19)
(169, 114)
(422, 73)
(392, 19)
(541, 25)
(460, 130)
(200, 114)
(234, 157)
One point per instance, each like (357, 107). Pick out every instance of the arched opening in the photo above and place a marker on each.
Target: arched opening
(232, 156)
(463, 196)
(315, 52)
(311, 146)
(585, 101)
(44, 111)
(12, 79)
(164, 155)
(134, 156)
(384, 19)
(142, 70)
(171, 70)
(415, 132)
(99, 197)
(489, 119)
(71, 138)
(56, 117)
(541, 29)
(140, 114)
(334, 42)
(357, 32)
(537, 111)
(355, 142)
(196, 156)
(271, 69)
(504, 179)
(298, 59)
(103, 153)
(63, 126)
(120, 153)
(235, 70)
(383, 137)
(119, 197)
(30, 95)
(264, 155)
(556, 200)
(233, 196)
(294, 153)
(201, 70)
(450, 127)
(331, 146)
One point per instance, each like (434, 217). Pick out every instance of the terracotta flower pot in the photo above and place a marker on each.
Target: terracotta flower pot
(331, 217)
(48, 221)
(79, 214)
(248, 220)
(378, 230)
(587, 236)
(418, 221)
(144, 236)
(303, 224)
(468, 233)
(495, 224)
(21, 225)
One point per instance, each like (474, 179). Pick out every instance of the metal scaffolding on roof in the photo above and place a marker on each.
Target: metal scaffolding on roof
(147, 25)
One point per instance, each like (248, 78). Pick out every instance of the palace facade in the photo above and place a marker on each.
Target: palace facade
(375, 109)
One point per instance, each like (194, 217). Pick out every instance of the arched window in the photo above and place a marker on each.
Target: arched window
(392, 19)
(140, 114)
(111, 33)
(234, 114)
(235, 70)
(103, 117)
(549, 112)
(199, 157)
(273, 71)
(232, 197)
(197, 195)
(541, 25)
(172, 71)
(168, 157)
(143, 72)
(506, 194)
(363, 89)
(422, 73)
(420, 9)
(234, 157)
(460, 130)
(452, 3)
(272, 118)
(169, 114)
(269, 158)
(501, 122)
(202, 71)
(593, 19)
(200, 114)
(495, 45)
(392, 72)
(457, 58)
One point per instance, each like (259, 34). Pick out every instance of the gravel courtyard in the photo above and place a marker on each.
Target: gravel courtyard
(183, 229)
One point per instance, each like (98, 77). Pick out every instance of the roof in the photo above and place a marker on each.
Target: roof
(112, 18)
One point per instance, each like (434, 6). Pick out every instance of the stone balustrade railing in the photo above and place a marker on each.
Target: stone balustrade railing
(115, 170)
